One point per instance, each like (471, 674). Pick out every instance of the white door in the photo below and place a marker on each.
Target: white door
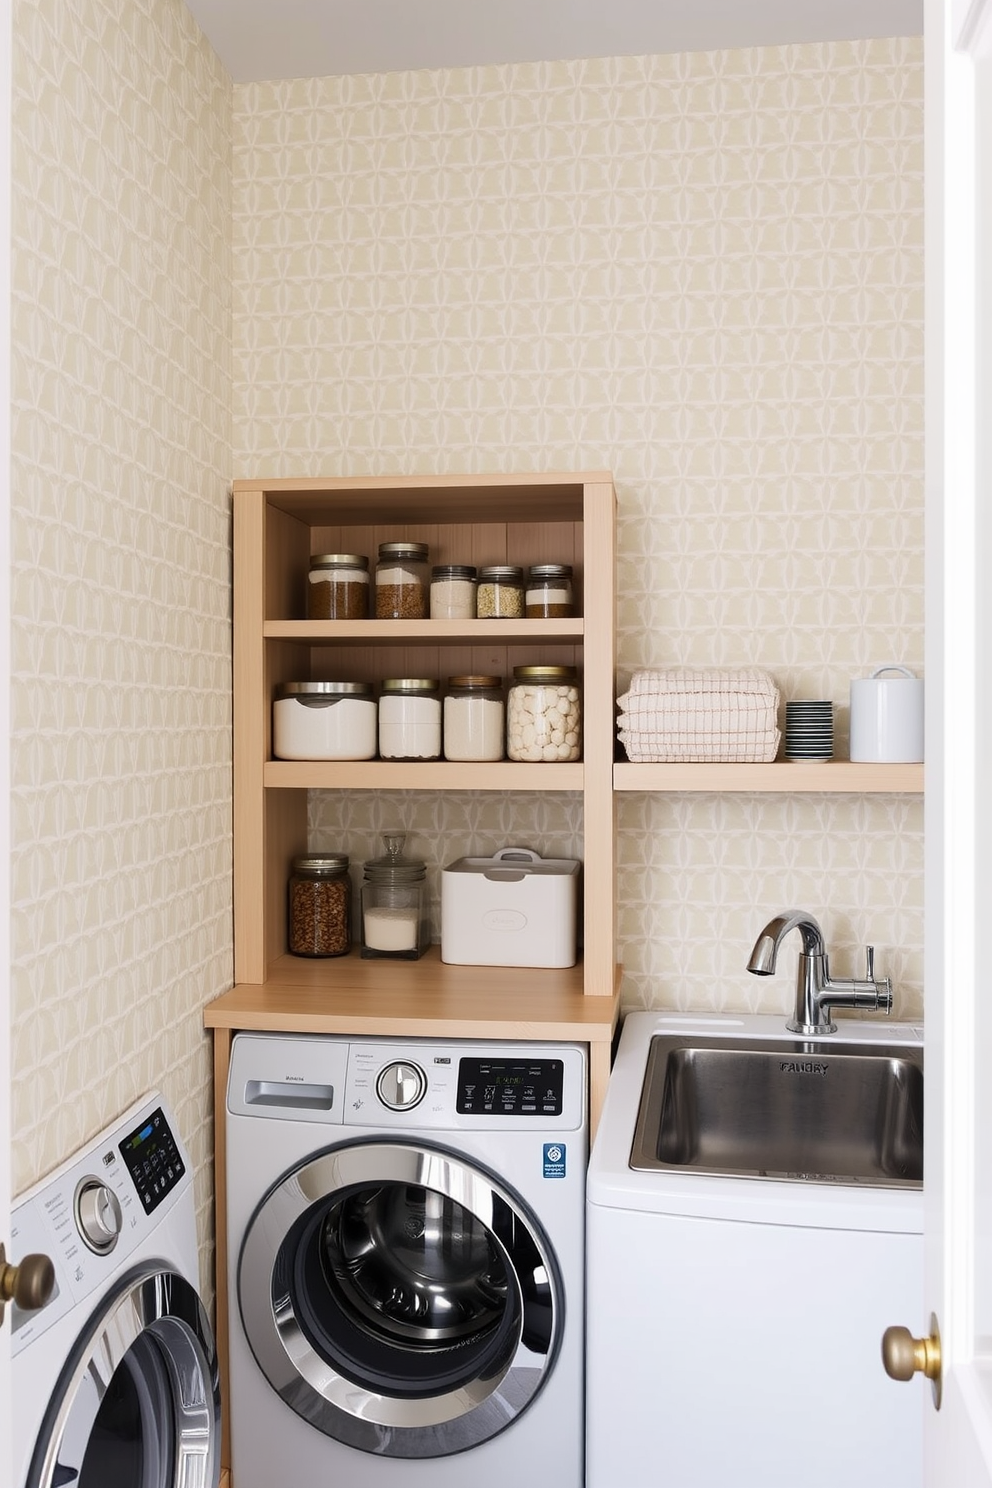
(958, 1289)
(5, 38)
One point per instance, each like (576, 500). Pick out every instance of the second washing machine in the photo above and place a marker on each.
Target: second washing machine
(405, 1261)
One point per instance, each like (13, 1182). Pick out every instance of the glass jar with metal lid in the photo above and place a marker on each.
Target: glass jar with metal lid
(401, 581)
(500, 594)
(338, 587)
(324, 720)
(453, 591)
(548, 594)
(410, 719)
(474, 718)
(319, 921)
(543, 715)
(395, 921)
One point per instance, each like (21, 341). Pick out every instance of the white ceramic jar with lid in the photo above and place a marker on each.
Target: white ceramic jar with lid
(324, 720)
(410, 719)
(543, 715)
(402, 581)
(474, 718)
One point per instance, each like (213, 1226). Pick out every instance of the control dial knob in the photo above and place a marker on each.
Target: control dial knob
(98, 1215)
(401, 1085)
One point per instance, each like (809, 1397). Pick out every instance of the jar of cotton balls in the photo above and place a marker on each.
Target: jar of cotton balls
(544, 715)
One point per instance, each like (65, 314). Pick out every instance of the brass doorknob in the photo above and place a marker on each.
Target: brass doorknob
(29, 1284)
(903, 1356)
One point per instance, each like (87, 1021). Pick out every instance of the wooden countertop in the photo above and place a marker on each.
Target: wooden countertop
(418, 999)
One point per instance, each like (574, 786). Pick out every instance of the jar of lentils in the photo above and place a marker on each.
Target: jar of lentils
(338, 587)
(320, 906)
(501, 592)
(548, 595)
(453, 591)
(402, 581)
(543, 715)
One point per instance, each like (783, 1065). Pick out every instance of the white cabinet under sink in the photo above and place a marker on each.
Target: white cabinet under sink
(734, 1325)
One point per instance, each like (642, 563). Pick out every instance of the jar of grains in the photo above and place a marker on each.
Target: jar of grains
(338, 587)
(401, 581)
(320, 906)
(543, 716)
(410, 719)
(548, 595)
(453, 591)
(473, 718)
(324, 721)
(395, 919)
(501, 592)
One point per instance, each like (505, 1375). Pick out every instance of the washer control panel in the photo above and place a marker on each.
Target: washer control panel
(152, 1158)
(510, 1087)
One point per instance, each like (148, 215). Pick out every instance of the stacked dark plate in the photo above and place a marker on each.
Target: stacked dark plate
(809, 730)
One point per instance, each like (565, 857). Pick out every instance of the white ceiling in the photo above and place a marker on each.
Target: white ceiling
(259, 40)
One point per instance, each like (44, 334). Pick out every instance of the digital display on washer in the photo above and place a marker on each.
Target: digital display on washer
(510, 1087)
(152, 1158)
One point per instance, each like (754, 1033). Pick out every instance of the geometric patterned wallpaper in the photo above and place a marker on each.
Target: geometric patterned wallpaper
(702, 271)
(121, 709)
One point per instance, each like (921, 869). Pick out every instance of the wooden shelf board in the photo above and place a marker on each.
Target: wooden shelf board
(411, 999)
(435, 498)
(444, 775)
(429, 632)
(786, 776)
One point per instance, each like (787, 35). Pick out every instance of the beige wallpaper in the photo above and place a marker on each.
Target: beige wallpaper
(121, 569)
(701, 271)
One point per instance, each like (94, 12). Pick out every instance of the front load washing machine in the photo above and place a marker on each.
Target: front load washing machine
(116, 1381)
(405, 1262)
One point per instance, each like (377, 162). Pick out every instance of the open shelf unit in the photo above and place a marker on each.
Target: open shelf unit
(278, 525)
(790, 777)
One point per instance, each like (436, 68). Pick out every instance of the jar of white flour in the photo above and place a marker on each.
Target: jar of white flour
(473, 718)
(410, 719)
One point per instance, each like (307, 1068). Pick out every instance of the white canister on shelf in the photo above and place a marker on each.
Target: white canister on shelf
(410, 719)
(324, 720)
(887, 717)
(474, 718)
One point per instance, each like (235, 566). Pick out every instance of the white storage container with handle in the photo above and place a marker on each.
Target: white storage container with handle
(513, 909)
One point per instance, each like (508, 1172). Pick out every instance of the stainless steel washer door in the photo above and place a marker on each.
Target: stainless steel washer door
(399, 1298)
(138, 1403)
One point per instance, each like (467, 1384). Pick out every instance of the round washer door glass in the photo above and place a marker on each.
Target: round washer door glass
(399, 1298)
(138, 1402)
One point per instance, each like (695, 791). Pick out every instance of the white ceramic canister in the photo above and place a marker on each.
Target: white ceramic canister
(324, 720)
(887, 717)
(410, 719)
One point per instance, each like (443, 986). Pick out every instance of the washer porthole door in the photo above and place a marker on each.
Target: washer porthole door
(399, 1298)
(138, 1402)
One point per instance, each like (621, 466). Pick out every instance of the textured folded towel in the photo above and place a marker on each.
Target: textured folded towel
(700, 714)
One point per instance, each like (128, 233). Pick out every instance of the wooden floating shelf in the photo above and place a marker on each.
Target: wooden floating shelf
(418, 999)
(443, 775)
(423, 632)
(781, 776)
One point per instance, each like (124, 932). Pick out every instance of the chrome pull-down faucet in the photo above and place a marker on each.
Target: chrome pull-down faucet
(816, 991)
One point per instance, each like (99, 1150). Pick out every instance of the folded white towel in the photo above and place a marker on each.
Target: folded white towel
(697, 714)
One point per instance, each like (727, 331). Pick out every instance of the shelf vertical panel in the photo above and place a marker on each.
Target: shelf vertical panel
(250, 728)
(599, 566)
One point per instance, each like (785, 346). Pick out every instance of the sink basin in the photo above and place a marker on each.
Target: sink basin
(797, 1109)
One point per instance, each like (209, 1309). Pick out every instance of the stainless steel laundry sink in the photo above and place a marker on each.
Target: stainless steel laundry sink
(808, 1110)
